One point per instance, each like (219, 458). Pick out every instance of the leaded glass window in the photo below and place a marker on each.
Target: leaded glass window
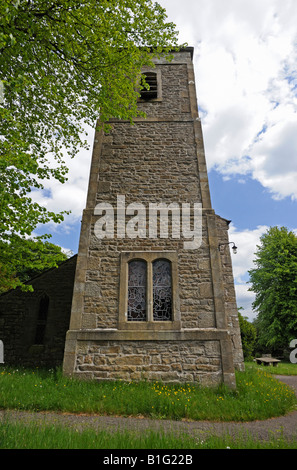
(137, 290)
(162, 290)
(148, 291)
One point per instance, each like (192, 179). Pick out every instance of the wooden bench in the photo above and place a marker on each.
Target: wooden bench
(267, 361)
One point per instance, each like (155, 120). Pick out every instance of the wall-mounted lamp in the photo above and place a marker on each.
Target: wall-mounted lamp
(234, 247)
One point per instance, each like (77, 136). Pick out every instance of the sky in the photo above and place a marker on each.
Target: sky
(245, 55)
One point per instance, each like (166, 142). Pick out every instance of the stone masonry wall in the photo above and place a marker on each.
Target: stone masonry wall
(189, 361)
(18, 318)
(156, 162)
(101, 299)
(159, 159)
(229, 292)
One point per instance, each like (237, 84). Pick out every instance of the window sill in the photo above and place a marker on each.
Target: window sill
(145, 325)
(151, 100)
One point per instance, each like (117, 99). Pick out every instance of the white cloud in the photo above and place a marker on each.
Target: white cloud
(274, 162)
(245, 299)
(71, 195)
(246, 241)
(245, 65)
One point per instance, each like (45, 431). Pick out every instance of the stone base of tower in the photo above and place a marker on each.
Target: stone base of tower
(201, 356)
(203, 344)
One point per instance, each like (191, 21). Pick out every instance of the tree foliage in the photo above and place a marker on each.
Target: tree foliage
(274, 281)
(21, 259)
(65, 64)
(248, 333)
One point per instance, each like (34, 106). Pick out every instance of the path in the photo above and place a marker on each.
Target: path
(286, 425)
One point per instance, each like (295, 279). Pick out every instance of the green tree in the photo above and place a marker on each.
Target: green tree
(21, 259)
(274, 281)
(65, 64)
(248, 336)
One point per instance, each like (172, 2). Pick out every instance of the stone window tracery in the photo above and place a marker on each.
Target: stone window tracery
(148, 290)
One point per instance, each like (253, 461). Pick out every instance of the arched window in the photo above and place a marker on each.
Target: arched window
(162, 290)
(137, 290)
(41, 319)
(149, 291)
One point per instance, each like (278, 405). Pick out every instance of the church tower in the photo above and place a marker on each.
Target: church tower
(154, 292)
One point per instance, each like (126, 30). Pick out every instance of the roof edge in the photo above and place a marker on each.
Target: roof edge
(39, 275)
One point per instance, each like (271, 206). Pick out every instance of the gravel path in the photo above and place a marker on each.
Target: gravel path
(287, 425)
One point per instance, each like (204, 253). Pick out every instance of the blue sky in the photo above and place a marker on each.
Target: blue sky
(247, 204)
(245, 55)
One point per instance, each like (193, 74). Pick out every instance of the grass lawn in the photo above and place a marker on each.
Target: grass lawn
(258, 396)
(20, 436)
(283, 368)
